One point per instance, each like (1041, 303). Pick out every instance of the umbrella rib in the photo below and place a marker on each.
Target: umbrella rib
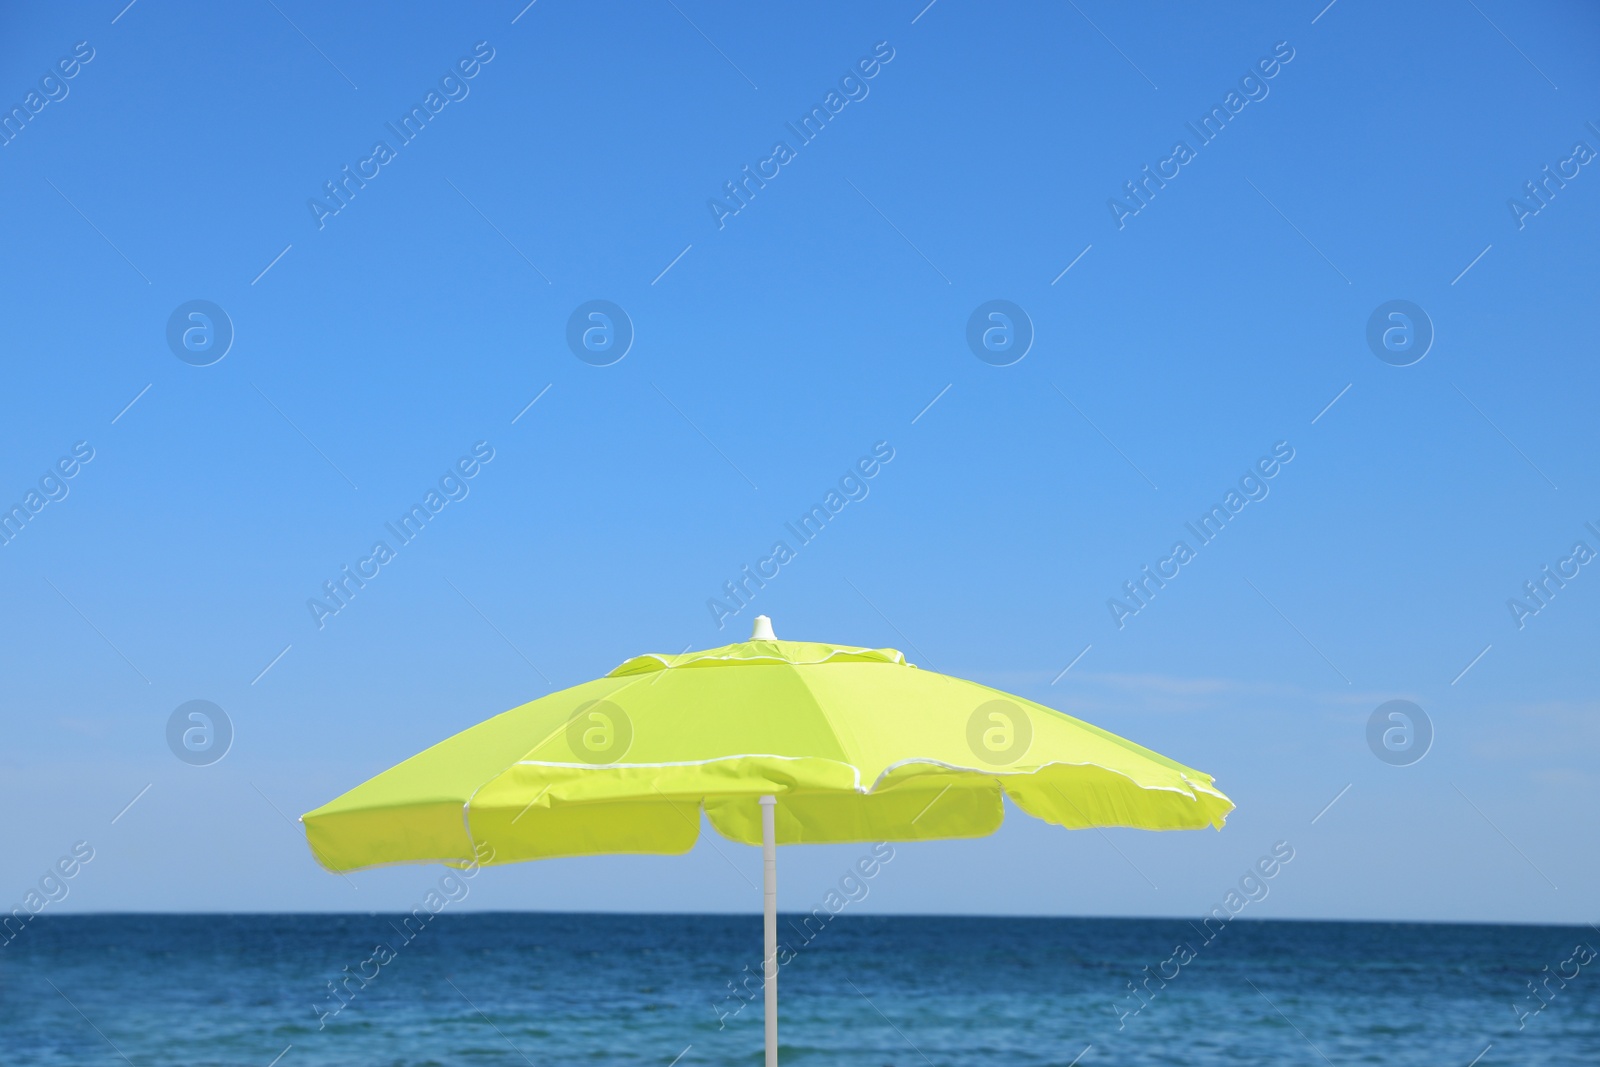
(826, 720)
(466, 808)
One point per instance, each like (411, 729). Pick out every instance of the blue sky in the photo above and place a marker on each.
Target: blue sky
(1173, 347)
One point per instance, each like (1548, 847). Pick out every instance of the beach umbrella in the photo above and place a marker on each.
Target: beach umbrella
(776, 743)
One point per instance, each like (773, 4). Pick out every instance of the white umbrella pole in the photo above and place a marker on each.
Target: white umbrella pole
(769, 901)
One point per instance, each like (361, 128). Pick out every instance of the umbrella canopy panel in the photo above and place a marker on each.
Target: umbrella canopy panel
(857, 744)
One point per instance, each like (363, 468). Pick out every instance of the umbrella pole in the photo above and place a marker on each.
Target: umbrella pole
(769, 901)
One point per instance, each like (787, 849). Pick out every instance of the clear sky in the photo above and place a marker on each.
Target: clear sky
(1213, 317)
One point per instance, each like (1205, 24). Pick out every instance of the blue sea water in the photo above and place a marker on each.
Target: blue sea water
(503, 988)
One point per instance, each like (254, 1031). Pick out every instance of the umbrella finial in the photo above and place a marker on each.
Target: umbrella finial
(762, 630)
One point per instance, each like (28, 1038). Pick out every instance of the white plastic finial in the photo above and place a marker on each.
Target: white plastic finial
(762, 630)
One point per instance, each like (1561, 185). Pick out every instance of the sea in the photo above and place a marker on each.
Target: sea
(536, 988)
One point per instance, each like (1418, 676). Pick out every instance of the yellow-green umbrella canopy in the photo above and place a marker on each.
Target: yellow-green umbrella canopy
(856, 744)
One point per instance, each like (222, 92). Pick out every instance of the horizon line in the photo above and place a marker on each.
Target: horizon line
(755, 916)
